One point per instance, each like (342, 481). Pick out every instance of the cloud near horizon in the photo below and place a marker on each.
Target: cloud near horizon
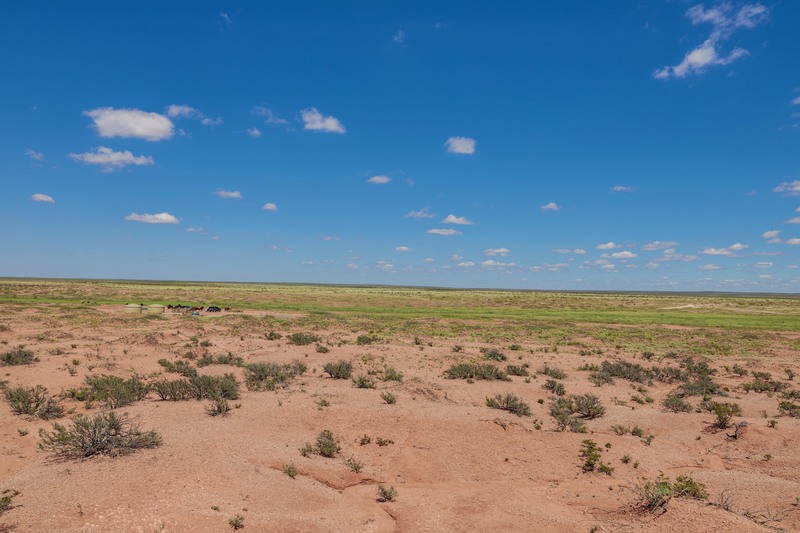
(110, 122)
(158, 218)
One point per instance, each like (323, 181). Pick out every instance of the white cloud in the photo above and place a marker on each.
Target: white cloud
(716, 251)
(222, 193)
(331, 238)
(460, 145)
(621, 255)
(269, 116)
(766, 276)
(384, 264)
(185, 111)
(254, 132)
(795, 220)
(110, 160)
(399, 37)
(737, 247)
(579, 251)
(39, 197)
(622, 188)
(772, 236)
(445, 232)
(491, 263)
(658, 245)
(428, 260)
(225, 18)
(763, 264)
(492, 252)
(677, 257)
(158, 218)
(199, 229)
(724, 22)
(789, 188)
(795, 101)
(402, 249)
(552, 206)
(269, 206)
(652, 265)
(608, 246)
(709, 267)
(467, 264)
(135, 123)
(452, 219)
(379, 180)
(314, 120)
(793, 240)
(610, 267)
(456, 257)
(422, 213)
(33, 154)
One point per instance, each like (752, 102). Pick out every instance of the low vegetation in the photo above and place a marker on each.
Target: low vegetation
(511, 403)
(35, 402)
(484, 371)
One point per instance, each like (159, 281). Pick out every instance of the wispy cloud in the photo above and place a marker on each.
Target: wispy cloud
(453, 219)
(729, 251)
(226, 18)
(788, 188)
(185, 111)
(402, 249)
(772, 236)
(158, 218)
(198, 229)
(608, 246)
(110, 122)
(39, 197)
(222, 193)
(399, 37)
(269, 116)
(422, 213)
(466, 264)
(493, 252)
(620, 255)
(552, 206)
(445, 232)
(460, 145)
(313, 120)
(269, 206)
(709, 267)
(254, 132)
(578, 251)
(109, 160)
(623, 188)
(725, 21)
(33, 154)
(658, 245)
(491, 263)
(379, 180)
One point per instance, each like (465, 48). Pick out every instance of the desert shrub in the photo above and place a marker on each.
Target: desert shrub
(553, 372)
(493, 354)
(739, 370)
(389, 398)
(363, 382)
(112, 391)
(363, 340)
(515, 370)
(511, 403)
(290, 470)
(104, 434)
(33, 401)
(236, 522)
(303, 339)
(700, 387)
(591, 454)
(18, 356)
(556, 387)
(763, 376)
(7, 503)
(789, 408)
(172, 390)
(270, 376)
(561, 411)
(669, 374)
(724, 413)
(327, 445)
(227, 359)
(587, 406)
(625, 370)
(386, 494)
(391, 374)
(205, 387)
(218, 406)
(339, 369)
(321, 348)
(676, 404)
(698, 369)
(763, 385)
(654, 495)
(598, 379)
(273, 336)
(179, 367)
(483, 371)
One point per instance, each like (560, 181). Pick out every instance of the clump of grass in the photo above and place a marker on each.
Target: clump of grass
(354, 464)
(205, 387)
(270, 376)
(556, 387)
(179, 367)
(363, 382)
(339, 369)
(273, 336)
(493, 354)
(112, 391)
(218, 406)
(389, 398)
(655, 495)
(18, 356)
(363, 340)
(391, 374)
(326, 445)
(553, 372)
(676, 404)
(227, 359)
(386, 494)
(303, 339)
(569, 412)
(515, 370)
(34, 401)
(511, 403)
(290, 470)
(789, 408)
(761, 384)
(237, 522)
(591, 453)
(703, 386)
(172, 390)
(7, 502)
(484, 371)
(104, 434)
(321, 348)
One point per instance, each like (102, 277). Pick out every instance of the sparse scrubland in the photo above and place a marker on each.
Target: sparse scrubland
(396, 409)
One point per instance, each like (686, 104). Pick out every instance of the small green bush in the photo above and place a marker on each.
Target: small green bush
(654, 495)
(18, 356)
(390, 374)
(327, 445)
(172, 390)
(553, 372)
(476, 371)
(290, 470)
(556, 387)
(205, 387)
(587, 406)
(363, 382)
(303, 339)
(7, 503)
(676, 404)
(270, 376)
(515, 370)
(339, 369)
(386, 494)
(511, 403)
(363, 340)
(389, 398)
(218, 406)
(493, 354)
(273, 336)
(104, 434)
(34, 401)
(724, 413)
(700, 387)
(112, 391)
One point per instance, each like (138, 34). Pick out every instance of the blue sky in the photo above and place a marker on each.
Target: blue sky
(583, 145)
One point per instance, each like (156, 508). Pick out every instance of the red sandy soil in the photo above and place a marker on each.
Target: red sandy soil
(457, 465)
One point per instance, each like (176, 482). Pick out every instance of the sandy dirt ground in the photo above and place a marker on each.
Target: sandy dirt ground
(456, 464)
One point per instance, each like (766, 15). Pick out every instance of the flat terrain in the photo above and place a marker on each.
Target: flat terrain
(455, 462)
